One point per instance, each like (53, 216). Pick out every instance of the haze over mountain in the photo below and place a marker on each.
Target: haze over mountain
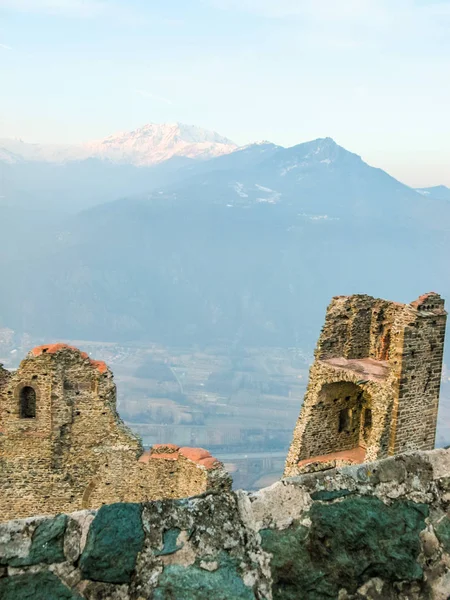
(440, 192)
(148, 145)
(68, 178)
(245, 248)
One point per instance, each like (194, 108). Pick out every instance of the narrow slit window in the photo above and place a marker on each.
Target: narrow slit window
(344, 420)
(367, 418)
(27, 403)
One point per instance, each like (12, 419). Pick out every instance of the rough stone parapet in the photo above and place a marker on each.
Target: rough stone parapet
(375, 531)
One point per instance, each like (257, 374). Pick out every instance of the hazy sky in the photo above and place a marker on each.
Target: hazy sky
(372, 74)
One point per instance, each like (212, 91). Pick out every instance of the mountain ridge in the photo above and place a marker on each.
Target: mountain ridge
(147, 145)
(440, 192)
(153, 144)
(231, 249)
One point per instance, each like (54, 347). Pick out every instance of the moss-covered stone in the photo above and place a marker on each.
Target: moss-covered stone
(47, 544)
(35, 586)
(348, 543)
(115, 538)
(193, 583)
(442, 530)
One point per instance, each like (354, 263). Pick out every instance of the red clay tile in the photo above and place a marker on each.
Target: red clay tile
(144, 458)
(167, 456)
(355, 455)
(100, 365)
(194, 454)
(209, 463)
(51, 349)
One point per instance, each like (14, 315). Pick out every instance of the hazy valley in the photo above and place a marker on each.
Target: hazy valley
(203, 281)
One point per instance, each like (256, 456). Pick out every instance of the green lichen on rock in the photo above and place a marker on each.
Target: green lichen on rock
(293, 572)
(327, 495)
(348, 543)
(169, 542)
(35, 586)
(47, 543)
(114, 541)
(363, 538)
(442, 530)
(194, 583)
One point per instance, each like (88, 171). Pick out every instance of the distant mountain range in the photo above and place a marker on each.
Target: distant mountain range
(148, 145)
(243, 248)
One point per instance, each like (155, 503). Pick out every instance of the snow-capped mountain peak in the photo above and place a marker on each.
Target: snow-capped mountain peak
(150, 144)
(154, 143)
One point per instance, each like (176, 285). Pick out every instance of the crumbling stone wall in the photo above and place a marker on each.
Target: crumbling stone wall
(373, 389)
(75, 452)
(377, 531)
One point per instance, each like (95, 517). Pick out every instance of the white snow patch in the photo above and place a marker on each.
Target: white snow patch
(327, 161)
(293, 165)
(262, 188)
(318, 217)
(274, 198)
(238, 187)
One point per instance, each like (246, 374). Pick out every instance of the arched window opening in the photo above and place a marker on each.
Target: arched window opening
(27, 403)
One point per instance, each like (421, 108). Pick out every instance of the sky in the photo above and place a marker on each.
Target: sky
(372, 74)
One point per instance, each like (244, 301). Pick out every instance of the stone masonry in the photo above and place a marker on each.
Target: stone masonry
(63, 447)
(373, 389)
(377, 531)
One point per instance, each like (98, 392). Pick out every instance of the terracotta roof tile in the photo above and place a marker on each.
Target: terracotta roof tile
(200, 456)
(209, 463)
(424, 298)
(100, 365)
(355, 455)
(165, 456)
(194, 454)
(53, 349)
(144, 458)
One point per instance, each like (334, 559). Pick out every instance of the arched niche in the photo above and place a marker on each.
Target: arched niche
(340, 419)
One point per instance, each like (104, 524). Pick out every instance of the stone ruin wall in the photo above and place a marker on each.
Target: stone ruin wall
(381, 363)
(415, 416)
(76, 452)
(376, 531)
(378, 363)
